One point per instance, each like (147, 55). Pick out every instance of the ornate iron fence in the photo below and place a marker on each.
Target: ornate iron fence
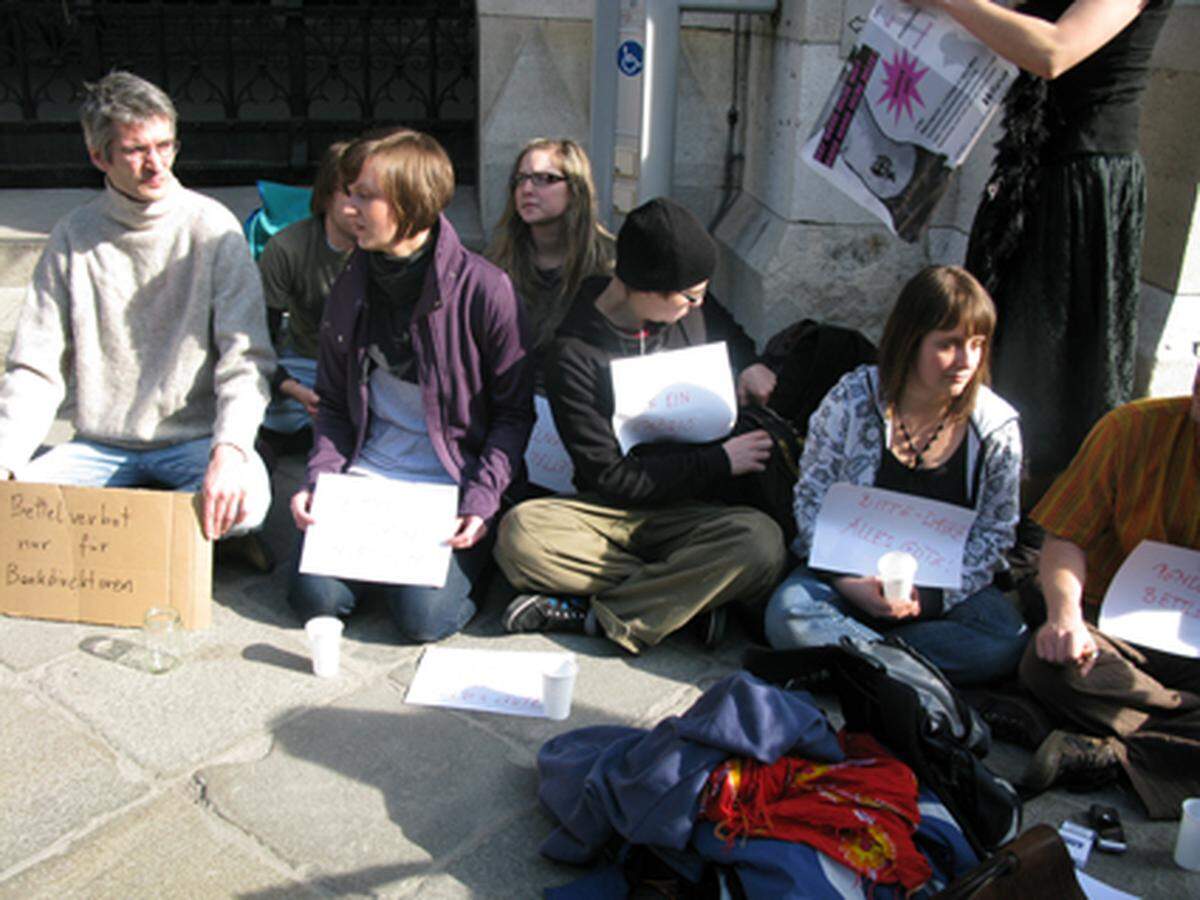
(262, 87)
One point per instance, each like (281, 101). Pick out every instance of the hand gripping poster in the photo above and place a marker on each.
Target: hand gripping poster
(914, 96)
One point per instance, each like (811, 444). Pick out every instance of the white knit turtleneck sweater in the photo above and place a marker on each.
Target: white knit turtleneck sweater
(155, 312)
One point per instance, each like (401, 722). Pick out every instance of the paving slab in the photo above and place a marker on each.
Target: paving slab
(368, 785)
(55, 777)
(612, 686)
(166, 848)
(171, 722)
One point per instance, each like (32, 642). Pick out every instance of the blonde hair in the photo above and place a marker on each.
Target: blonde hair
(590, 246)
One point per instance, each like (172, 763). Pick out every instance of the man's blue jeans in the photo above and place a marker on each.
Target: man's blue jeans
(177, 467)
(285, 415)
(978, 640)
(421, 613)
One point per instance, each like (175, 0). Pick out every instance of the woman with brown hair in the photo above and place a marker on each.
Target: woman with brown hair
(922, 422)
(549, 238)
(424, 376)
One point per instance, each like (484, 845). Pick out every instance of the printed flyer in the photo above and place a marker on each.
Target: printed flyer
(910, 103)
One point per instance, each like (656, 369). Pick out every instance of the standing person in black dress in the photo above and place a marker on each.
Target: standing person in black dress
(1057, 238)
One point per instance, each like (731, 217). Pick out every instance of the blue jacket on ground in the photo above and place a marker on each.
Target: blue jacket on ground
(646, 785)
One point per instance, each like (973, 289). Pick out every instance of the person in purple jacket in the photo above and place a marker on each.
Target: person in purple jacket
(423, 374)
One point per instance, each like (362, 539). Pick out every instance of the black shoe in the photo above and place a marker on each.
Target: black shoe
(710, 627)
(539, 612)
(1012, 717)
(1073, 760)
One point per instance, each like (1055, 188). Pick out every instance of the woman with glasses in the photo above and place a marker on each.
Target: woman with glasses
(922, 422)
(548, 238)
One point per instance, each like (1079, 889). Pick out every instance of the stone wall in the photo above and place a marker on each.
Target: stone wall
(791, 245)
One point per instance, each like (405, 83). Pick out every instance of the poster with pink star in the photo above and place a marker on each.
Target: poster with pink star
(909, 104)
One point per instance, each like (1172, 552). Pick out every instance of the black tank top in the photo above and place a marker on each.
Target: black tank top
(1096, 106)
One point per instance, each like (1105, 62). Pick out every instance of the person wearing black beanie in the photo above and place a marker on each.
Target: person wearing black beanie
(642, 549)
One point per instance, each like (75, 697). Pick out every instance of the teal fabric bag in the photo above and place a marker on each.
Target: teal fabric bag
(282, 204)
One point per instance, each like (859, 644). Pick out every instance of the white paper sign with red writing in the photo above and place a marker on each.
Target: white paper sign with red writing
(546, 458)
(857, 525)
(497, 681)
(680, 396)
(380, 529)
(1154, 599)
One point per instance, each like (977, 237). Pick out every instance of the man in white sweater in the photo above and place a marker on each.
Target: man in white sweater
(147, 301)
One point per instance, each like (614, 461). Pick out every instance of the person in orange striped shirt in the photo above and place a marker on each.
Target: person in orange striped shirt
(1136, 477)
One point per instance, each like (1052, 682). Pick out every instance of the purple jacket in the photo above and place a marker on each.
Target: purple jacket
(476, 376)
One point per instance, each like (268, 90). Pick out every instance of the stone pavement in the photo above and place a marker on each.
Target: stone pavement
(240, 774)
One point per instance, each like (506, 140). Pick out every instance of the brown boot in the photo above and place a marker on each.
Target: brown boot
(1075, 760)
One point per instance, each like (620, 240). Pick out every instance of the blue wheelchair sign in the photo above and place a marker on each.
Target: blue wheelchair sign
(629, 58)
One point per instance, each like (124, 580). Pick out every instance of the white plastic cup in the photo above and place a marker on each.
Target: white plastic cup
(1187, 845)
(896, 573)
(557, 686)
(325, 639)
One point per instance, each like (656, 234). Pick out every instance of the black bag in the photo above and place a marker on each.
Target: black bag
(771, 490)
(808, 358)
(1034, 865)
(887, 688)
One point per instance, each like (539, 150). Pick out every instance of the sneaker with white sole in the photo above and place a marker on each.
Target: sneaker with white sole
(541, 612)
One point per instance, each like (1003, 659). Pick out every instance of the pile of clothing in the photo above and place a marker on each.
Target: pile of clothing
(752, 787)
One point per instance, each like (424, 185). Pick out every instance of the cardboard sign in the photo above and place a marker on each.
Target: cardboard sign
(857, 525)
(102, 555)
(546, 458)
(380, 529)
(1154, 599)
(497, 681)
(682, 396)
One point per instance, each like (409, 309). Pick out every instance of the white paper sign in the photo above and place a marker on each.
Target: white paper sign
(1154, 599)
(499, 681)
(857, 525)
(380, 529)
(682, 396)
(546, 458)
(913, 97)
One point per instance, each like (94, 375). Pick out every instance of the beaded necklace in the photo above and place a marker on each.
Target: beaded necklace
(919, 455)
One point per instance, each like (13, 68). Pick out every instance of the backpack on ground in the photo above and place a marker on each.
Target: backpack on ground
(887, 688)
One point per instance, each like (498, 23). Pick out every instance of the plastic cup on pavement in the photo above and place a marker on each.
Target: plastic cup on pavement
(325, 639)
(896, 573)
(1187, 845)
(557, 686)
(160, 629)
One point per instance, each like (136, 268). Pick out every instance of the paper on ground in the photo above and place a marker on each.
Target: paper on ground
(1095, 889)
(1154, 599)
(499, 681)
(380, 529)
(857, 525)
(680, 396)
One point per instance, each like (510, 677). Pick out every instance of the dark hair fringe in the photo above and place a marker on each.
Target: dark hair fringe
(1013, 187)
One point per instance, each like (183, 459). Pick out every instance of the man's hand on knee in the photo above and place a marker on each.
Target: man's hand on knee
(1065, 643)
(224, 490)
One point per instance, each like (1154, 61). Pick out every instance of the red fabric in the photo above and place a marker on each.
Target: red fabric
(862, 812)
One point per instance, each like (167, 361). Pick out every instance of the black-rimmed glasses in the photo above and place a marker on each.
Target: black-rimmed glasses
(539, 179)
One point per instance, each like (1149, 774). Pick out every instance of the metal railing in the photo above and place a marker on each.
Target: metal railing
(261, 87)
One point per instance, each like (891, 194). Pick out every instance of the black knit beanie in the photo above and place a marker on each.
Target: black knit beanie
(663, 247)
